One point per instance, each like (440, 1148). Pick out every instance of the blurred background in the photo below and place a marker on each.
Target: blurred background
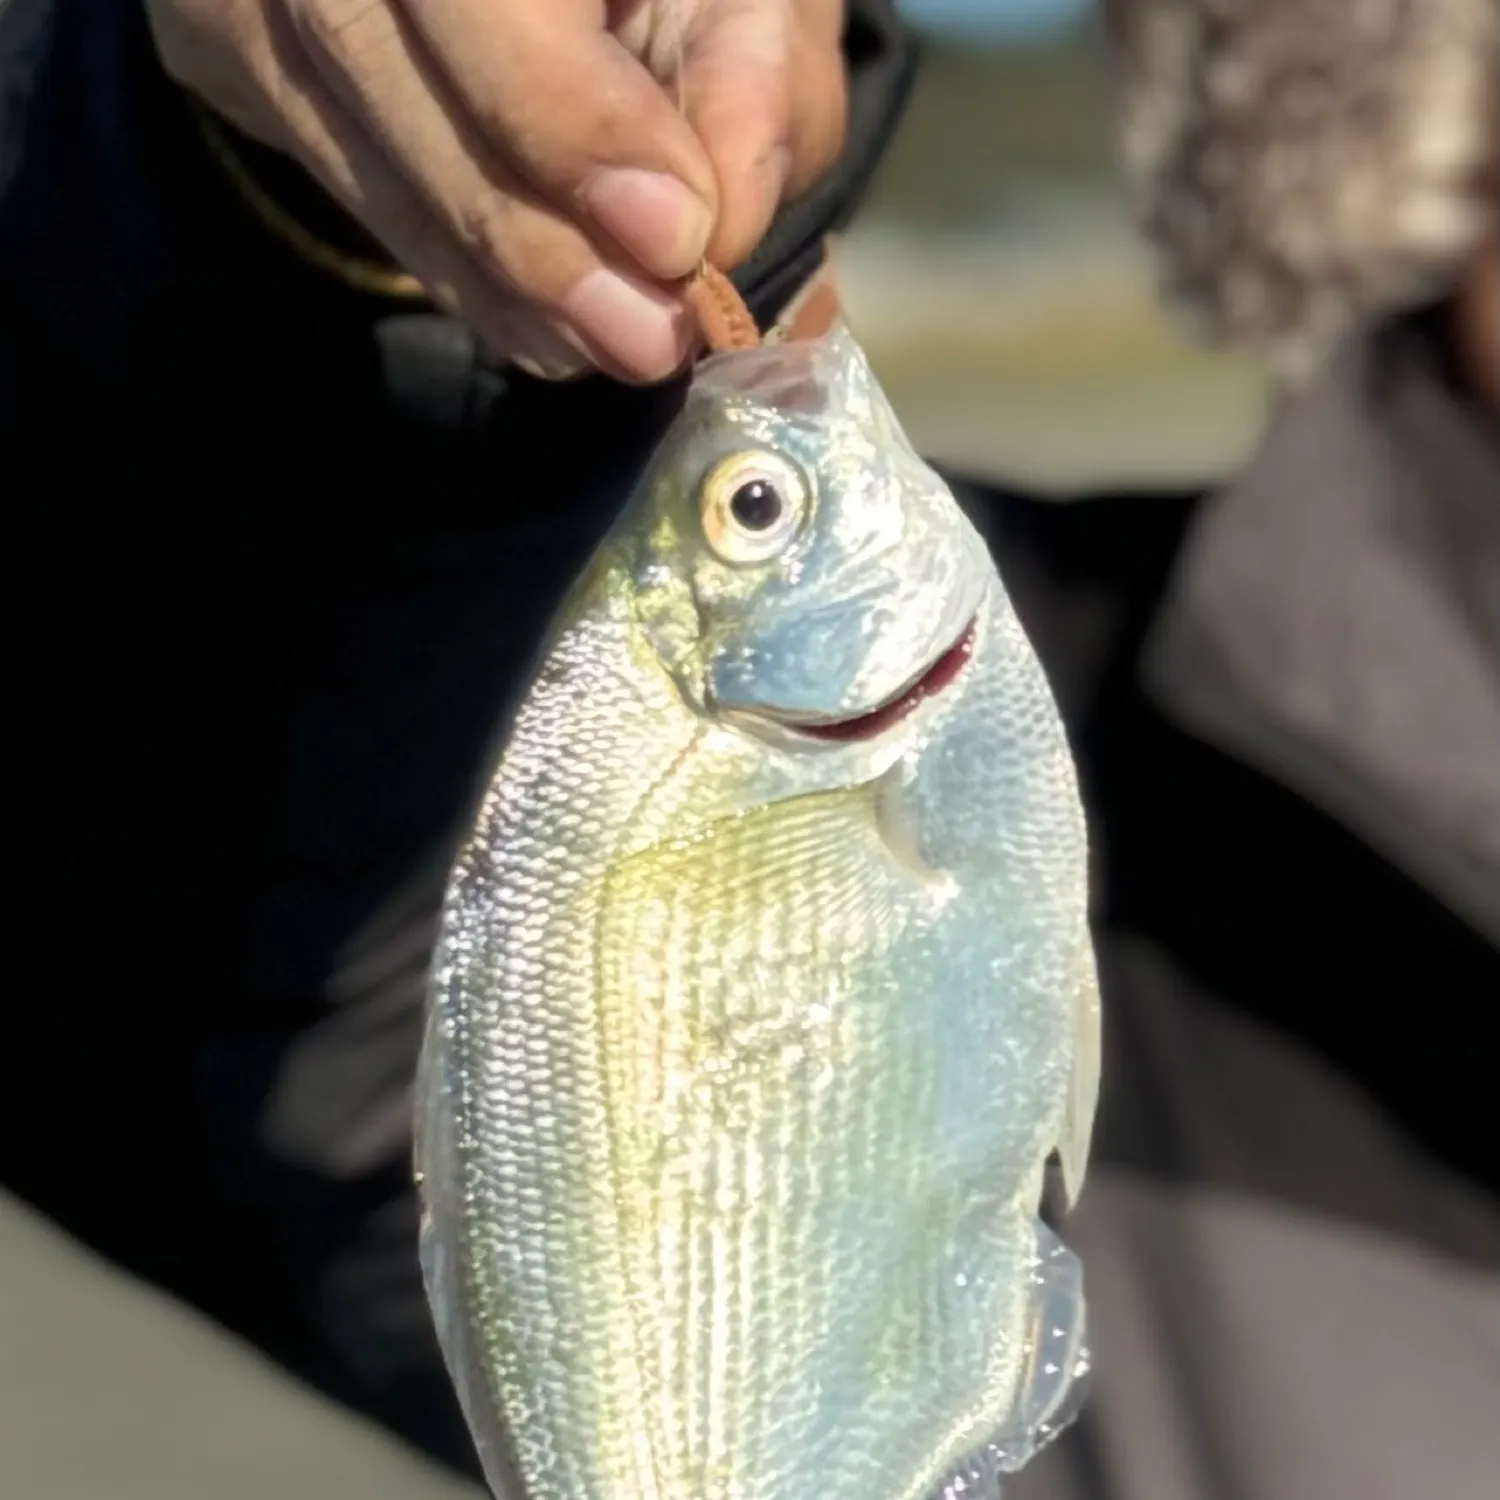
(997, 283)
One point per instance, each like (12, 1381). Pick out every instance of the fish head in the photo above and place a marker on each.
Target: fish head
(798, 570)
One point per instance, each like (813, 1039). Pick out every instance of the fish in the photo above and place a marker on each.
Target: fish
(765, 1000)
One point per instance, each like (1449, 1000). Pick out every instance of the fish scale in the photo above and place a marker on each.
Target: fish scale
(747, 1048)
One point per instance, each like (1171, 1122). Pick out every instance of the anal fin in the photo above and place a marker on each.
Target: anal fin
(1053, 1383)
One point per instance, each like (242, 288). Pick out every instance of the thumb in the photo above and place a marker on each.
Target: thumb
(737, 91)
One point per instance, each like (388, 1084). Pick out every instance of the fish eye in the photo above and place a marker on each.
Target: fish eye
(752, 505)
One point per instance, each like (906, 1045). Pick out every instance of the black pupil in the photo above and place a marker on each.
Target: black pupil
(755, 505)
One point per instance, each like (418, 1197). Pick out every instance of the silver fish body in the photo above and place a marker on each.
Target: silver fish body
(765, 992)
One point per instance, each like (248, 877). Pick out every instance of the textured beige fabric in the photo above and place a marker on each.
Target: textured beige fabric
(1303, 166)
(108, 1389)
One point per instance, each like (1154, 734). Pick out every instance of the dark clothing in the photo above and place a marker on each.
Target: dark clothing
(279, 552)
(280, 558)
(1291, 1231)
(283, 555)
(1292, 750)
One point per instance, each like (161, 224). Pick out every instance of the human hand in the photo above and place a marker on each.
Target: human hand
(528, 162)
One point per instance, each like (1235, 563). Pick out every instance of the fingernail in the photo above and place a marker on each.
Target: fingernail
(644, 331)
(655, 218)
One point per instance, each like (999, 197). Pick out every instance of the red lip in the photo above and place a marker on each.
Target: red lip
(938, 676)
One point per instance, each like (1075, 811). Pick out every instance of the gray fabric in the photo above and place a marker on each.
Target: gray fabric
(109, 1389)
(1290, 1299)
(1290, 1302)
(1335, 619)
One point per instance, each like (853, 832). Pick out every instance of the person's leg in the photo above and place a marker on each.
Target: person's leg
(279, 554)
(108, 1387)
(241, 796)
(280, 551)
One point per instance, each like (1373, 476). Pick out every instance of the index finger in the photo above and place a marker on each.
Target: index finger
(581, 120)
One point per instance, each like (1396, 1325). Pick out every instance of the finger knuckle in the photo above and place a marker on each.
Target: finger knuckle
(826, 136)
(613, 115)
(556, 142)
(345, 30)
(496, 240)
(822, 123)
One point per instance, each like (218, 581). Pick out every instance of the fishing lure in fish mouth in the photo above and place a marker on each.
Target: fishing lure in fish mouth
(765, 992)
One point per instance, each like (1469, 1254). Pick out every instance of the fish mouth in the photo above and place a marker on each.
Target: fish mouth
(931, 680)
